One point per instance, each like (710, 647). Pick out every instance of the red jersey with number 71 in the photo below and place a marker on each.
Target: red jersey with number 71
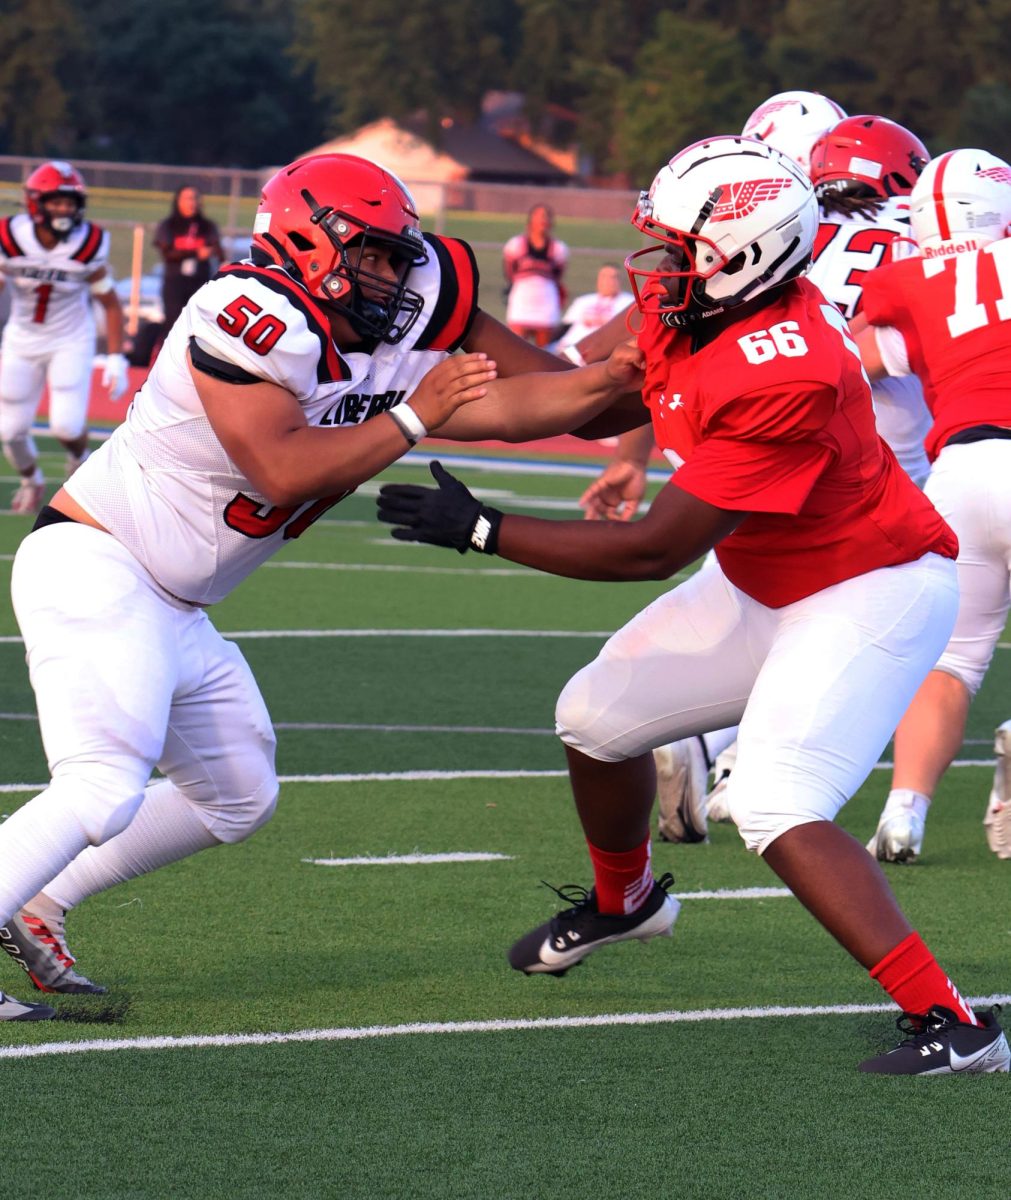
(954, 314)
(774, 418)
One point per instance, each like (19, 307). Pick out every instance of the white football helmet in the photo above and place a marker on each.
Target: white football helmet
(733, 218)
(792, 122)
(961, 201)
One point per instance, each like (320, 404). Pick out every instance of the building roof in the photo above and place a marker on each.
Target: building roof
(465, 151)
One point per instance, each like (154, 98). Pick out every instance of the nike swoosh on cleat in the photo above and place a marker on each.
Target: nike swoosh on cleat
(958, 1063)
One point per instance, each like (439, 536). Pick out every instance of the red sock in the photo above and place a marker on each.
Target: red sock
(623, 878)
(910, 975)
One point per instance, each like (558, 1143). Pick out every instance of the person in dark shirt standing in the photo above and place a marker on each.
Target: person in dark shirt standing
(187, 241)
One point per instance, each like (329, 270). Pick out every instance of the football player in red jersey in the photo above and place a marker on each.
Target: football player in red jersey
(833, 580)
(945, 315)
(287, 381)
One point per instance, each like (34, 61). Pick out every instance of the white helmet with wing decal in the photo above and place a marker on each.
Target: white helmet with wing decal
(732, 218)
(793, 122)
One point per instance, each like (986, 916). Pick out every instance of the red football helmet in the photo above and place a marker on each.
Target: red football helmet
(46, 183)
(868, 156)
(316, 218)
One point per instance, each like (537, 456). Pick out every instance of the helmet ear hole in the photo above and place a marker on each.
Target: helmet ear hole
(736, 264)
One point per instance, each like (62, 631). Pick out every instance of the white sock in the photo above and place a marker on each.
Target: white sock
(36, 843)
(165, 829)
(717, 741)
(904, 799)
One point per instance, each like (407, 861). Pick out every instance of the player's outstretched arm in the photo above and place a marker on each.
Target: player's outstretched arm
(678, 529)
(264, 431)
(601, 398)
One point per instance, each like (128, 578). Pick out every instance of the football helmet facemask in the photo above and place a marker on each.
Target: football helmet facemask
(961, 201)
(732, 217)
(317, 219)
(792, 122)
(867, 156)
(53, 181)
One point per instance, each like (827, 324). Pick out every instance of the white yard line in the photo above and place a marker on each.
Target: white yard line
(408, 860)
(374, 1032)
(437, 776)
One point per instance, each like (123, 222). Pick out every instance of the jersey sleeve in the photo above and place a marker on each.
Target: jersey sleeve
(879, 304)
(761, 452)
(450, 312)
(93, 250)
(261, 329)
(893, 351)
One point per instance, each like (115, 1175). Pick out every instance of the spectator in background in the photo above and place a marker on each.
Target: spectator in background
(593, 309)
(534, 263)
(187, 241)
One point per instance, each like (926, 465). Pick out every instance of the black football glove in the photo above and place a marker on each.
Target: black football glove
(444, 516)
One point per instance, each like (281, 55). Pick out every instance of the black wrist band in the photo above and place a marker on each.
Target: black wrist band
(484, 535)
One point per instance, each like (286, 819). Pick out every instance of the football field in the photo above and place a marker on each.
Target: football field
(326, 1010)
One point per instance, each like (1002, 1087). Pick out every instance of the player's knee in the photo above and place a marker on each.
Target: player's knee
(580, 720)
(66, 427)
(966, 666)
(102, 805)
(242, 817)
(761, 820)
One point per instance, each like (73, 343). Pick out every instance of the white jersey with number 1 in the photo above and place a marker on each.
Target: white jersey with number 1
(50, 295)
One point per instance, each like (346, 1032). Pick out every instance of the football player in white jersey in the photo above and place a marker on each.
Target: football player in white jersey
(56, 263)
(287, 381)
(863, 171)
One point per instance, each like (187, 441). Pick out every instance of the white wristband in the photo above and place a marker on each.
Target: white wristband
(573, 355)
(411, 425)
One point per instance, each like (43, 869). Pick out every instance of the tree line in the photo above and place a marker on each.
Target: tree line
(257, 82)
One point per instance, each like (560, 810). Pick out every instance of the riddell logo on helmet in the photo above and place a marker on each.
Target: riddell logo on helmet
(947, 248)
(741, 199)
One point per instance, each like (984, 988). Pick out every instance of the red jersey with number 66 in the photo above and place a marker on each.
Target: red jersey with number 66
(953, 312)
(774, 418)
(163, 484)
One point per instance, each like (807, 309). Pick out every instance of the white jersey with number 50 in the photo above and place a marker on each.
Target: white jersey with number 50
(50, 295)
(845, 250)
(163, 484)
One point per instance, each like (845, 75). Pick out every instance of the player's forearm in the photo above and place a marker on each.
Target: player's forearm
(308, 463)
(601, 551)
(529, 407)
(114, 327)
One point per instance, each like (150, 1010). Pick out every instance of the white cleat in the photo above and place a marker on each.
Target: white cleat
(997, 820)
(899, 837)
(28, 497)
(18, 1010)
(681, 775)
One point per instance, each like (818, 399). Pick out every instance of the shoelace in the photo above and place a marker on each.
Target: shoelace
(919, 1029)
(579, 898)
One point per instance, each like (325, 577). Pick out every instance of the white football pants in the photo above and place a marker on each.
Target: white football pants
(67, 369)
(817, 687)
(970, 486)
(127, 678)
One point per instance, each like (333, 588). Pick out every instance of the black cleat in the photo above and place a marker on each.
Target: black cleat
(940, 1044)
(575, 932)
